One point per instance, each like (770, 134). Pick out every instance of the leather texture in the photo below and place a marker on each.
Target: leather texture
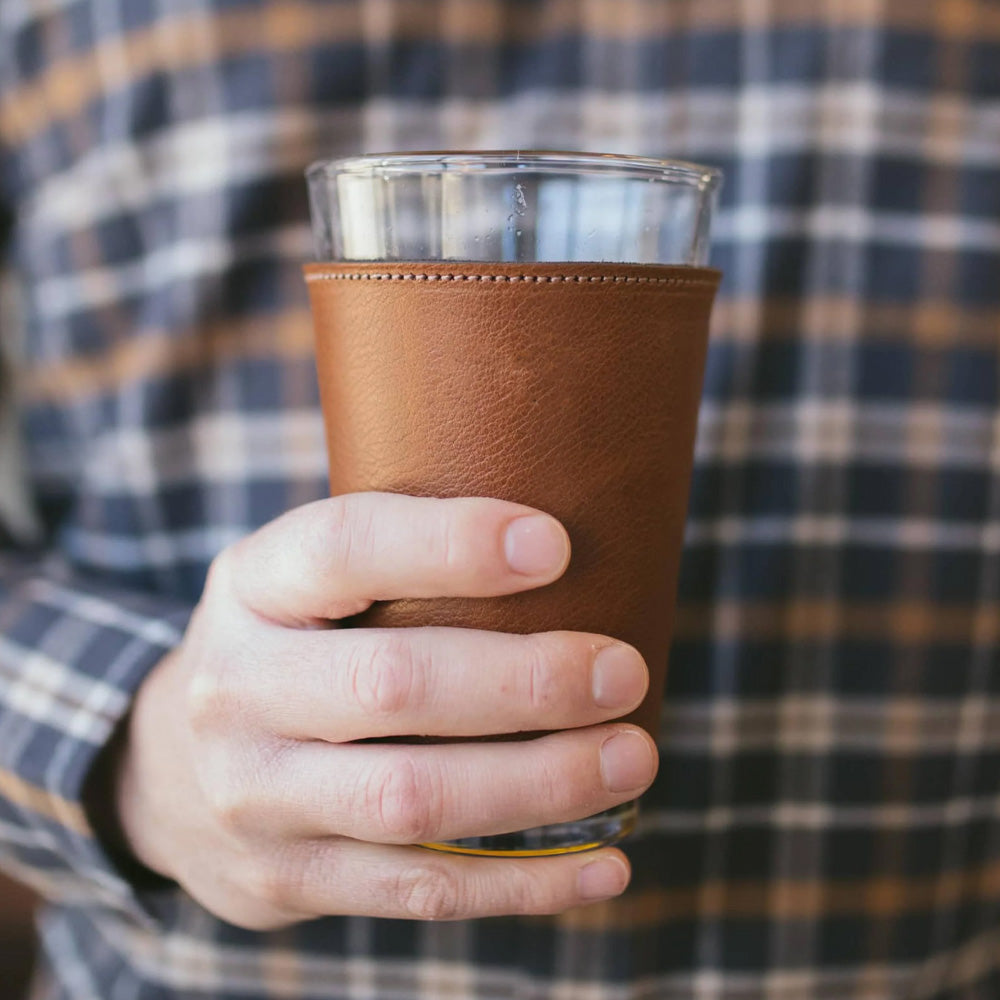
(573, 388)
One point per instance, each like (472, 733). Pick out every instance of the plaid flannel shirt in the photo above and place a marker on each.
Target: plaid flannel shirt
(826, 823)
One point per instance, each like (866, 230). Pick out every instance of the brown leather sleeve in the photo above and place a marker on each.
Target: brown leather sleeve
(570, 387)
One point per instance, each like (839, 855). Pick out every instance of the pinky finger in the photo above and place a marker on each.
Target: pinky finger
(361, 879)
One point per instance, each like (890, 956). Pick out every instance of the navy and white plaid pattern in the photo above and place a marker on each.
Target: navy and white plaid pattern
(826, 823)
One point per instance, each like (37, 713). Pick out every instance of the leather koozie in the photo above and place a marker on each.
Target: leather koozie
(573, 388)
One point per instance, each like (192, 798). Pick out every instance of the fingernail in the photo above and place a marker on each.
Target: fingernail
(626, 762)
(619, 677)
(602, 879)
(535, 545)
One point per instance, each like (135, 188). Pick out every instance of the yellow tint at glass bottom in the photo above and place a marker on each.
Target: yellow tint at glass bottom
(626, 827)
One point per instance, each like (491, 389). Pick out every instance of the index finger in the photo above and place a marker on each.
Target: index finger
(333, 558)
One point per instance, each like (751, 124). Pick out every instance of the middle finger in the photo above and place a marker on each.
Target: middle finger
(352, 684)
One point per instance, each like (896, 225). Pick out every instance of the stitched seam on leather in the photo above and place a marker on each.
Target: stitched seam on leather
(536, 279)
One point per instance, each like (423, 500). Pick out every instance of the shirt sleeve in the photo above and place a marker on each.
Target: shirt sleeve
(73, 651)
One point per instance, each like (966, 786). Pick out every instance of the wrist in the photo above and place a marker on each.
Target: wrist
(103, 794)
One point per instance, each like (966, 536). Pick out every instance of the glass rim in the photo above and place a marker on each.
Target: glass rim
(510, 160)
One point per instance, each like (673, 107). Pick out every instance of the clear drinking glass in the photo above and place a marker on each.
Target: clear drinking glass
(516, 207)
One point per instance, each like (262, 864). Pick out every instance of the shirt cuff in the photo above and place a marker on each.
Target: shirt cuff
(73, 651)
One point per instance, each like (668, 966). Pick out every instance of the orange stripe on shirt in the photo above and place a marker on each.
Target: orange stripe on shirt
(69, 84)
(43, 803)
(288, 336)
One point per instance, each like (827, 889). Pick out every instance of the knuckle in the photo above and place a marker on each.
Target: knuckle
(431, 892)
(232, 809)
(290, 875)
(231, 800)
(206, 699)
(221, 688)
(382, 673)
(456, 549)
(559, 786)
(530, 895)
(542, 676)
(228, 674)
(278, 882)
(351, 523)
(403, 801)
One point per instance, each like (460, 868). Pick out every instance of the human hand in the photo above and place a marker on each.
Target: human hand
(240, 777)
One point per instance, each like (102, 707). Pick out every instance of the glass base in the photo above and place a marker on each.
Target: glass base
(600, 830)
